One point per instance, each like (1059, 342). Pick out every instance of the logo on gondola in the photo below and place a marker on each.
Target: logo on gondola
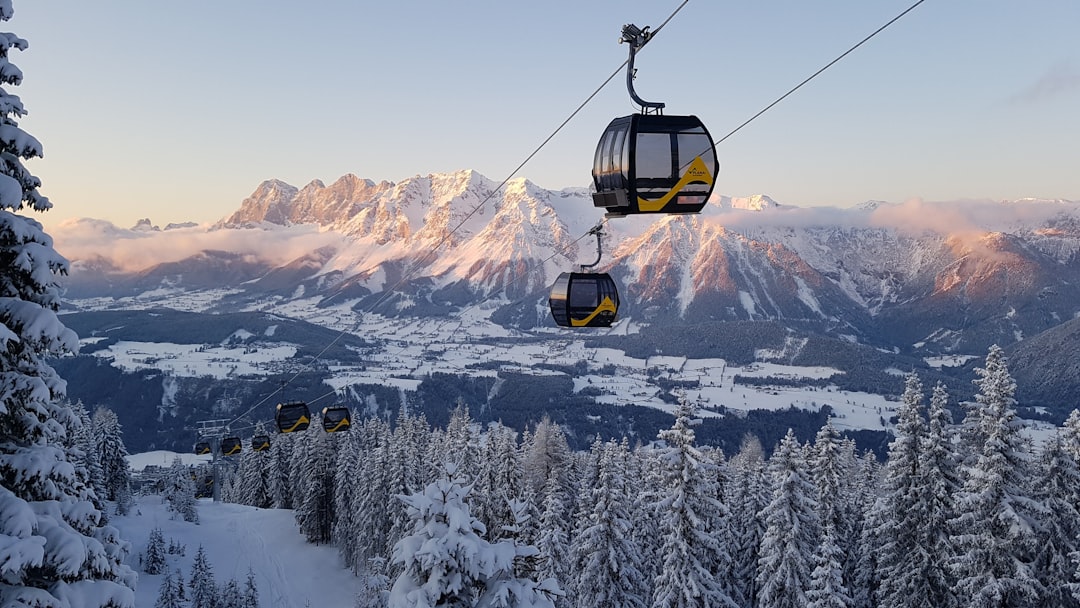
(606, 305)
(696, 173)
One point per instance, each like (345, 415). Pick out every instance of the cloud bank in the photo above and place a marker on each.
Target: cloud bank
(130, 250)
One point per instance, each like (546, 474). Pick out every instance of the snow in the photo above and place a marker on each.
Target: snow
(193, 361)
(164, 459)
(289, 572)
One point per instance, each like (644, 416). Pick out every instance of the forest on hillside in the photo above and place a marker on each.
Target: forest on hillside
(959, 514)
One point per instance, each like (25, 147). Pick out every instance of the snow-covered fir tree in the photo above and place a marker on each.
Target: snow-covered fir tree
(692, 554)
(938, 468)
(170, 593)
(608, 572)
(251, 591)
(785, 558)
(1057, 490)
(230, 595)
(446, 562)
(904, 563)
(112, 454)
(997, 519)
(46, 506)
(179, 491)
(748, 494)
(827, 588)
(154, 560)
(204, 592)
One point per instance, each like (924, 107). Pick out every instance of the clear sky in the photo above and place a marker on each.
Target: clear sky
(178, 110)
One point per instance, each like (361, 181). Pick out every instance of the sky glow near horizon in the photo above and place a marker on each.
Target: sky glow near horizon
(177, 111)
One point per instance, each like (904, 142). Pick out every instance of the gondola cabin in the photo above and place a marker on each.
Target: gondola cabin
(231, 446)
(202, 448)
(260, 443)
(584, 299)
(654, 163)
(292, 416)
(336, 418)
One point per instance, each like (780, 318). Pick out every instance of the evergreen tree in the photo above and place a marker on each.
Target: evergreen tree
(315, 515)
(996, 522)
(231, 597)
(170, 593)
(608, 558)
(827, 589)
(251, 592)
(85, 455)
(154, 561)
(372, 493)
(179, 491)
(203, 588)
(904, 561)
(112, 454)
(785, 559)
(1058, 491)
(749, 496)
(46, 506)
(691, 551)
(938, 467)
(554, 536)
(446, 562)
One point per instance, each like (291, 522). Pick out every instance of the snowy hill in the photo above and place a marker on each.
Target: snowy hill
(289, 572)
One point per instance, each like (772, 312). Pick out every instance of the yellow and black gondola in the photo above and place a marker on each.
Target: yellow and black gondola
(336, 418)
(230, 446)
(654, 163)
(260, 443)
(202, 448)
(584, 299)
(292, 416)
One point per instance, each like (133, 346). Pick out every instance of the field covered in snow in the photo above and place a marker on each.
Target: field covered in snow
(470, 344)
(289, 572)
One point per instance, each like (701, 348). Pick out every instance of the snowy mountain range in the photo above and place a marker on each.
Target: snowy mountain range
(914, 277)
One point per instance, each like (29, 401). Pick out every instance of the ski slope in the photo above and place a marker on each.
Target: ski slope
(289, 572)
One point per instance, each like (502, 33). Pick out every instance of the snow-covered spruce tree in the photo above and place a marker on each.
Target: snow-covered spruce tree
(251, 591)
(864, 576)
(179, 491)
(904, 563)
(112, 453)
(785, 558)
(203, 587)
(154, 560)
(170, 593)
(53, 545)
(315, 514)
(827, 589)
(1057, 489)
(371, 494)
(608, 573)
(86, 460)
(230, 596)
(748, 497)
(692, 555)
(343, 531)
(938, 467)
(447, 563)
(996, 516)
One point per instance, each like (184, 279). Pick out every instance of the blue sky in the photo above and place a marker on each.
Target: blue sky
(178, 110)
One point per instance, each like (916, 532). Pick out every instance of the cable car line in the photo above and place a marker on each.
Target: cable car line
(815, 74)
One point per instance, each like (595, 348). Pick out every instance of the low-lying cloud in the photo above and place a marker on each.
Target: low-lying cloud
(130, 250)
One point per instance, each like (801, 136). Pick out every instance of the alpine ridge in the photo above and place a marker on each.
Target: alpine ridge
(927, 277)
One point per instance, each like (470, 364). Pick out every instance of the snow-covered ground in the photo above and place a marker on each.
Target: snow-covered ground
(289, 572)
(470, 344)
